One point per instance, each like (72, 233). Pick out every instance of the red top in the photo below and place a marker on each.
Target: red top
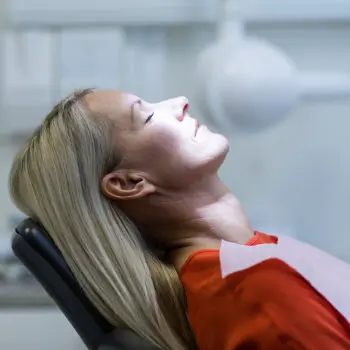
(268, 306)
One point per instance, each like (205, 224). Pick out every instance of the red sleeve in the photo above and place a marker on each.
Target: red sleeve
(268, 306)
(253, 329)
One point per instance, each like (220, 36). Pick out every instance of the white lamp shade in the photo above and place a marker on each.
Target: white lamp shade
(250, 86)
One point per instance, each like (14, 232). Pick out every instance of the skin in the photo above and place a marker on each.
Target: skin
(167, 182)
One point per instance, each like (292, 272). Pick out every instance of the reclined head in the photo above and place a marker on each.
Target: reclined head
(93, 174)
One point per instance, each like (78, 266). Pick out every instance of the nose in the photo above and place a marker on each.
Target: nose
(182, 108)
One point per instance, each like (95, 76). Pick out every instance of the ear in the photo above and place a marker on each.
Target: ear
(125, 185)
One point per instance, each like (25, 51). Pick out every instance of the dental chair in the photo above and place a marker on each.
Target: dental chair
(33, 247)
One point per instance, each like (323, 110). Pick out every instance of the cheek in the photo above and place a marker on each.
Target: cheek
(153, 149)
(163, 146)
(176, 164)
(167, 156)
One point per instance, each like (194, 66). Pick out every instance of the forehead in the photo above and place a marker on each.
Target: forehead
(114, 104)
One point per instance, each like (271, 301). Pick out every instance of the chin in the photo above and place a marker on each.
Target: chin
(220, 144)
(219, 148)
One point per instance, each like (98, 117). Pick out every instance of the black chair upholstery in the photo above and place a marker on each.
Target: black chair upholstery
(38, 253)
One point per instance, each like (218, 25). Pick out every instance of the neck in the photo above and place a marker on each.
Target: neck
(193, 219)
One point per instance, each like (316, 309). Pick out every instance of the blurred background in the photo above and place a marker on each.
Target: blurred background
(292, 175)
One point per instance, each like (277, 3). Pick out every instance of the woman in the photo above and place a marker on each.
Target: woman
(130, 194)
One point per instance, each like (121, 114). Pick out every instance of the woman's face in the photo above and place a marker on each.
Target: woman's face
(160, 141)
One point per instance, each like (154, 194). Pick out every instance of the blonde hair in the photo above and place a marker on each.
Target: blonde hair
(55, 179)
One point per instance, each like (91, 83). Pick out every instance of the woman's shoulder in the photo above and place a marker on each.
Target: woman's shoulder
(204, 281)
(269, 297)
(271, 279)
(202, 270)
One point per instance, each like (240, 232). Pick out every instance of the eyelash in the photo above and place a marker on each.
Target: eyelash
(149, 118)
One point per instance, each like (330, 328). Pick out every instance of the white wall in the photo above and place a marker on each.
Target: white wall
(36, 330)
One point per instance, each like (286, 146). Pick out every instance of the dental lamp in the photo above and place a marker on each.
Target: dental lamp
(248, 84)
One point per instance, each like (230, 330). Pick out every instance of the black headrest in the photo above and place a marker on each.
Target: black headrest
(34, 248)
(39, 254)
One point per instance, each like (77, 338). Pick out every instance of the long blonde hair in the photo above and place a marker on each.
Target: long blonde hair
(55, 179)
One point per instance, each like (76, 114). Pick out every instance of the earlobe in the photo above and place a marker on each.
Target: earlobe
(126, 186)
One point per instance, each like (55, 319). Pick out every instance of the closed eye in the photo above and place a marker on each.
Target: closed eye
(149, 118)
